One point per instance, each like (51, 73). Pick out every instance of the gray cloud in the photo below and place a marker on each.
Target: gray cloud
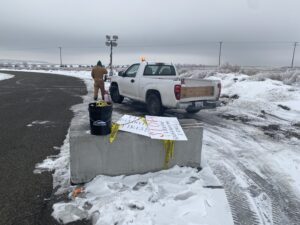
(182, 31)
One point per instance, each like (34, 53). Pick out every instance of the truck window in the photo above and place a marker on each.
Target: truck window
(159, 70)
(132, 70)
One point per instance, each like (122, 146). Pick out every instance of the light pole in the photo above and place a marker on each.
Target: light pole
(111, 42)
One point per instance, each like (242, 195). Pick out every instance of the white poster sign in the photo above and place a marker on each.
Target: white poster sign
(133, 124)
(165, 128)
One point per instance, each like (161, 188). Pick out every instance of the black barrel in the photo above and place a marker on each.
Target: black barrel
(100, 119)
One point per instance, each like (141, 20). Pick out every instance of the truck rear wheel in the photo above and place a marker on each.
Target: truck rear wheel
(115, 95)
(154, 105)
(188, 110)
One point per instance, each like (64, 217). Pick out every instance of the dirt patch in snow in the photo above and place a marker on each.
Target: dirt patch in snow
(241, 118)
(235, 96)
(275, 131)
(284, 107)
(271, 127)
(296, 124)
(225, 99)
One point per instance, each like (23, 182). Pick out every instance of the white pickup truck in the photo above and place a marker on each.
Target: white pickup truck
(159, 86)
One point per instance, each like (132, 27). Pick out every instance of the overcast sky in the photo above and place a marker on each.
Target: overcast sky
(179, 31)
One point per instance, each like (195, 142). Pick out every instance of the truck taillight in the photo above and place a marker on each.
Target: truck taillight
(177, 91)
(220, 87)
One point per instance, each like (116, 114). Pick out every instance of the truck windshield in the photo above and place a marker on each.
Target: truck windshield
(159, 70)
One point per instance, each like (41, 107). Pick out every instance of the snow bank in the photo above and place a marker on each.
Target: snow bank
(60, 165)
(245, 96)
(4, 76)
(174, 196)
(287, 76)
(197, 74)
(290, 77)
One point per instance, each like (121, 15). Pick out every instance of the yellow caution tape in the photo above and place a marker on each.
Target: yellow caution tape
(143, 119)
(114, 130)
(101, 103)
(169, 146)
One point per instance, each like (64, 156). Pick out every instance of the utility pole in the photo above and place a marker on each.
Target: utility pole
(60, 56)
(111, 42)
(295, 45)
(111, 53)
(220, 52)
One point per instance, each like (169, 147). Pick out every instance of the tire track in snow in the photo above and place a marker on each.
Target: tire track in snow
(285, 205)
(271, 186)
(240, 207)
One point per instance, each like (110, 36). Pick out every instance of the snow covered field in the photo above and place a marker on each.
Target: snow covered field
(252, 144)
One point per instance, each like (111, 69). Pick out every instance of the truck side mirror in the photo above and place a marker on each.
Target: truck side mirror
(121, 74)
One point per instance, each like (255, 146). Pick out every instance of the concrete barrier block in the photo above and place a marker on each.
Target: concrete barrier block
(129, 154)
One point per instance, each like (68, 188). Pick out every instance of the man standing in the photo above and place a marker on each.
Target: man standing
(98, 74)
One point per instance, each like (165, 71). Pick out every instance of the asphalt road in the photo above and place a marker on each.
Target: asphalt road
(28, 97)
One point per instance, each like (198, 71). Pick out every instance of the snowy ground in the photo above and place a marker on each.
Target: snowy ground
(4, 76)
(252, 143)
(174, 196)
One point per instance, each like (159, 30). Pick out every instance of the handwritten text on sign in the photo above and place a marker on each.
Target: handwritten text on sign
(165, 128)
(133, 124)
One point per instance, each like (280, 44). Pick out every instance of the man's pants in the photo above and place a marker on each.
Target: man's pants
(99, 85)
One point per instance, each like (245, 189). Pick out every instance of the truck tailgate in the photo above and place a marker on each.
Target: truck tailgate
(190, 92)
(197, 90)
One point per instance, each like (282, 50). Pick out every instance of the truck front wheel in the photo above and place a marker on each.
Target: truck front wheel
(115, 95)
(154, 105)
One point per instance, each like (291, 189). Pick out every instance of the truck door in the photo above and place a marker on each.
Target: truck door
(129, 83)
